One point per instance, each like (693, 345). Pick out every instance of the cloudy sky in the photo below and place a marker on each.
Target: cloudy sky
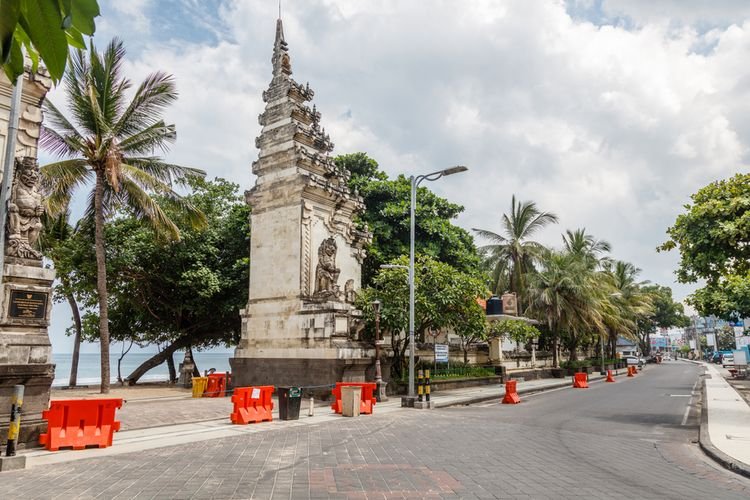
(608, 113)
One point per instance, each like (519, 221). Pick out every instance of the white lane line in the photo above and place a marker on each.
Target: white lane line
(689, 404)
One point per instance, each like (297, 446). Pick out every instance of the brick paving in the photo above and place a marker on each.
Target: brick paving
(592, 443)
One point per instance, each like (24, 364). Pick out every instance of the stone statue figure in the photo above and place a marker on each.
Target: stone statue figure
(350, 296)
(25, 210)
(326, 272)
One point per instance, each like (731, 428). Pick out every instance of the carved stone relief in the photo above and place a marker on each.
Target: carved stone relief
(350, 296)
(326, 272)
(25, 210)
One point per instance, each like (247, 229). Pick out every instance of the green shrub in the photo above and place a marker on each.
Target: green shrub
(455, 370)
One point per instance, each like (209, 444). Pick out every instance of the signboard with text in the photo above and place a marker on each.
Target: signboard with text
(26, 304)
(441, 353)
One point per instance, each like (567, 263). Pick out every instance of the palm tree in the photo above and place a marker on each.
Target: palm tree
(586, 247)
(628, 301)
(591, 253)
(550, 293)
(511, 255)
(110, 144)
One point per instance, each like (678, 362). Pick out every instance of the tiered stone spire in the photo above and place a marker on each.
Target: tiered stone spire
(306, 253)
(292, 142)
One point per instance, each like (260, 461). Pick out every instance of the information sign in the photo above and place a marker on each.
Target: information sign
(441, 353)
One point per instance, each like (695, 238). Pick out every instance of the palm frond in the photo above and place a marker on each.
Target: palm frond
(60, 180)
(106, 75)
(490, 235)
(154, 94)
(54, 119)
(61, 146)
(157, 136)
(166, 172)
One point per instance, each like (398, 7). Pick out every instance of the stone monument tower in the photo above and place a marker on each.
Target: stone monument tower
(306, 253)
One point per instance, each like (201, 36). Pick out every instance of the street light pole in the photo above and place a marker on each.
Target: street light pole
(413, 207)
(412, 215)
(379, 384)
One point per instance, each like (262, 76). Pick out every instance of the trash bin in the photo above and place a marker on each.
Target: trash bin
(199, 385)
(289, 402)
(350, 398)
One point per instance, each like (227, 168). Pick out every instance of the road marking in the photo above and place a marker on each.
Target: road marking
(680, 395)
(687, 413)
(689, 404)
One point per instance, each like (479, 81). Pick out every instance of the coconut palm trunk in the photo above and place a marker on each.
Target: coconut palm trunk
(77, 342)
(101, 280)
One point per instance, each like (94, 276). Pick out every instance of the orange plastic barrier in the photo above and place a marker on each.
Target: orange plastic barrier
(610, 378)
(79, 423)
(631, 371)
(581, 381)
(252, 404)
(216, 386)
(511, 394)
(367, 403)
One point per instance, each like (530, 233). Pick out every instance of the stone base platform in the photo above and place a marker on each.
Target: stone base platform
(315, 374)
(36, 380)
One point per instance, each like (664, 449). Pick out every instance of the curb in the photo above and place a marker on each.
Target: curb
(491, 397)
(704, 440)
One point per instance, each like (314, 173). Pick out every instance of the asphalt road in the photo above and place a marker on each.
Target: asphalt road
(631, 439)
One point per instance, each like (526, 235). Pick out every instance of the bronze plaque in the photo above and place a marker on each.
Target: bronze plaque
(25, 304)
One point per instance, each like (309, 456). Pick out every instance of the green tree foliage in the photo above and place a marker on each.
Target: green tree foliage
(177, 294)
(663, 312)
(109, 146)
(44, 29)
(510, 255)
(387, 204)
(517, 330)
(55, 241)
(713, 238)
(568, 296)
(727, 298)
(587, 248)
(629, 303)
(445, 298)
(725, 339)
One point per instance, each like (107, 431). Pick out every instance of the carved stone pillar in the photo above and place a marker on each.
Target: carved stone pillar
(25, 305)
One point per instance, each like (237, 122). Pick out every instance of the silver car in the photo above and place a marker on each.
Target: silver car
(727, 360)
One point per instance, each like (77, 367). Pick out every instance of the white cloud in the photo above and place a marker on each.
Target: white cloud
(610, 126)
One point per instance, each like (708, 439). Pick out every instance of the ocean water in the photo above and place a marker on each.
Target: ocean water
(89, 370)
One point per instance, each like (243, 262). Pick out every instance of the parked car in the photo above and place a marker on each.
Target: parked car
(635, 361)
(727, 360)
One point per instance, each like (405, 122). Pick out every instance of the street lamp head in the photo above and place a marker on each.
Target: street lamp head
(454, 170)
(375, 306)
(393, 266)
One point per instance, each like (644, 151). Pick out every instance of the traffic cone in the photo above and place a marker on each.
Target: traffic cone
(630, 372)
(610, 378)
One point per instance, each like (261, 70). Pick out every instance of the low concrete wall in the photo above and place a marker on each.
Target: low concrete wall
(395, 388)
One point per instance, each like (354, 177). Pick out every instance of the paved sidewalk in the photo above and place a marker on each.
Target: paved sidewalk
(208, 418)
(725, 427)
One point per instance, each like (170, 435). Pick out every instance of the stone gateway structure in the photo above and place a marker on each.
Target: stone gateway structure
(300, 325)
